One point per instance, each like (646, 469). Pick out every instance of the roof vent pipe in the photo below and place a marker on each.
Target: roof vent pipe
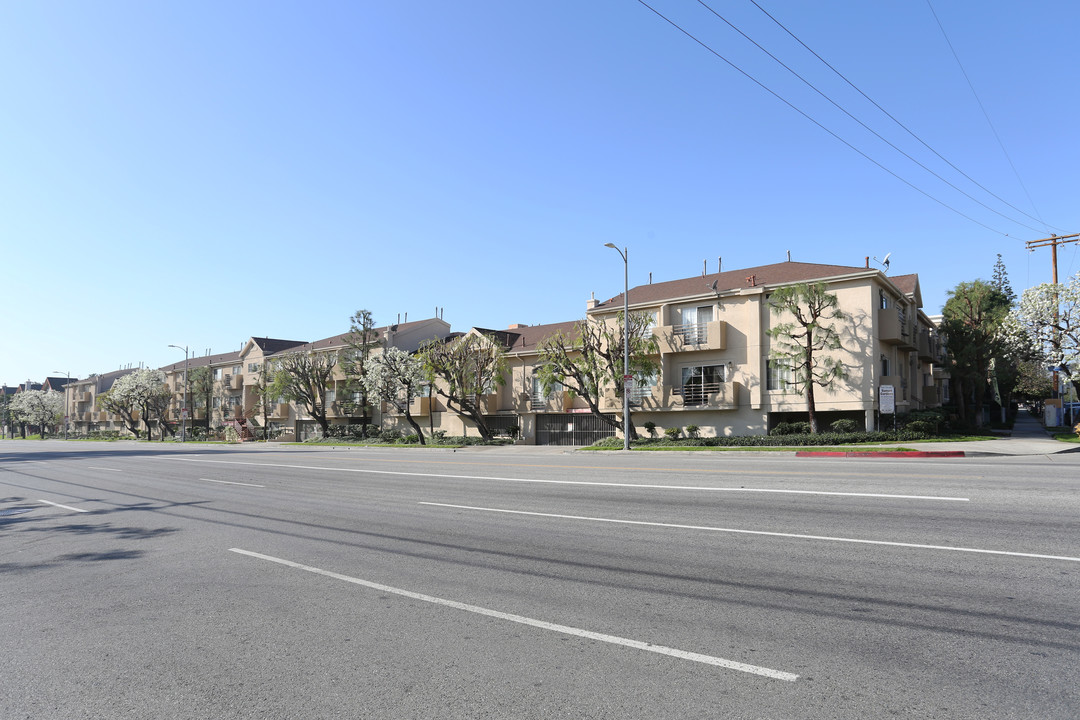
(704, 268)
(867, 262)
(719, 264)
(789, 256)
(650, 278)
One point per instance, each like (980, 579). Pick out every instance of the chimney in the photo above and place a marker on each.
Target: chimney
(591, 302)
(867, 262)
(516, 326)
(752, 280)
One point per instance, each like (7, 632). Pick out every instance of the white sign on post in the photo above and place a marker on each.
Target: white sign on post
(887, 400)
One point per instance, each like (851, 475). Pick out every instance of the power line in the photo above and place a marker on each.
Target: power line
(815, 122)
(889, 115)
(860, 122)
(985, 114)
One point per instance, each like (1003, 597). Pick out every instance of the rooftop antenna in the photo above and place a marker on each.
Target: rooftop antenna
(884, 262)
(789, 256)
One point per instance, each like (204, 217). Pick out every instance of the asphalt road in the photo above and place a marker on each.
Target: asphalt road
(146, 581)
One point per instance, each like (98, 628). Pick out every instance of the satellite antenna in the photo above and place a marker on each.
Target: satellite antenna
(712, 285)
(884, 262)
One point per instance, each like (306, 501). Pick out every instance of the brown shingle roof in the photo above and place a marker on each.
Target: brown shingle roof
(776, 274)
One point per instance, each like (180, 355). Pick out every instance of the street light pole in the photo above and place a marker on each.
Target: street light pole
(183, 399)
(66, 413)
(625, 254)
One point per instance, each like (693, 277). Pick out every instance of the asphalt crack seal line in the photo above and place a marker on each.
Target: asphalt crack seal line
(542, 624)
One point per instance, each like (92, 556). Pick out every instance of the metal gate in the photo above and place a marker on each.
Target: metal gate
(571, 429)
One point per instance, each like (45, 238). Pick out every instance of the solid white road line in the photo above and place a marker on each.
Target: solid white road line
(91, 467)
(229, 482)
(759, 532)
(613, 639)
(581, 482)
(66, 507)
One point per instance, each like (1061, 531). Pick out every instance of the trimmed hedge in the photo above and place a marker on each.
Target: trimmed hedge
(802, 439)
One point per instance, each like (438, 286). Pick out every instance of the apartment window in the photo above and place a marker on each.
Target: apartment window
(217, 373)
(253, 367)
(217, 403)
(237, 369)
(780, 376)
(699, 381)
(694, 323)
(642, 389)
(884, 366)
(331, 395)
(883, 300)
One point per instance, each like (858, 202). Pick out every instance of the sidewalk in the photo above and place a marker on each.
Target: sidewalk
(1029, 437)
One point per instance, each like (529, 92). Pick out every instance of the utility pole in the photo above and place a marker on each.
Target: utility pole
(1053, 241)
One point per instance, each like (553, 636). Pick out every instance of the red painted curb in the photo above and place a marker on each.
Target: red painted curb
(882, 453)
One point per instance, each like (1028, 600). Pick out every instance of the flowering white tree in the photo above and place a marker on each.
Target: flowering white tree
(304, 377)
(1048, 321)
(398, 378)
(141, 394)
(38, 407)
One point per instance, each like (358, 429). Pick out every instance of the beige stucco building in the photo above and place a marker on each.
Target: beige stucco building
(713, 357)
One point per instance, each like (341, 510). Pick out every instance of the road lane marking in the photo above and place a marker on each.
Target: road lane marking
(585, 482)
(759, 532)
(542, 624)
(103, 468)
(229, 482)
(66, 507)
(700, 471)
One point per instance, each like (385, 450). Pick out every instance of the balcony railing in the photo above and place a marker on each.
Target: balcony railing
(692, 333)
(697, 393)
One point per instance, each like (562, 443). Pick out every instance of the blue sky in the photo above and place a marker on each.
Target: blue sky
(197, 173)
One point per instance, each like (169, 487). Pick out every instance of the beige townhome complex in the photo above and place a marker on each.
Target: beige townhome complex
(233, 379)
(714, 358)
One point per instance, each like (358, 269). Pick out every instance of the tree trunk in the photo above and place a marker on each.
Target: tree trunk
(415, 425)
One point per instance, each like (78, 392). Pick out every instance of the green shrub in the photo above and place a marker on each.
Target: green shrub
(692, 431)
(673, 433)
(389, 435)
(844, 425)
(650, 427)
(920, 426)
(801, 427)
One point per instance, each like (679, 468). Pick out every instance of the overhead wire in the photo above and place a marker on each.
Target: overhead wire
(861, 123)
(815, 122)
(906, 129)
(985, 114)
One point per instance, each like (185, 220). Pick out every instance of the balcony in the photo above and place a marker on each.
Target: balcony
(705, 396)
(895, 328)
(928, 347)
(691, 336)
(555, 402)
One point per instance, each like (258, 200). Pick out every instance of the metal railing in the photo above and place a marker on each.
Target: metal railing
(692, 333)
(697, 393)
